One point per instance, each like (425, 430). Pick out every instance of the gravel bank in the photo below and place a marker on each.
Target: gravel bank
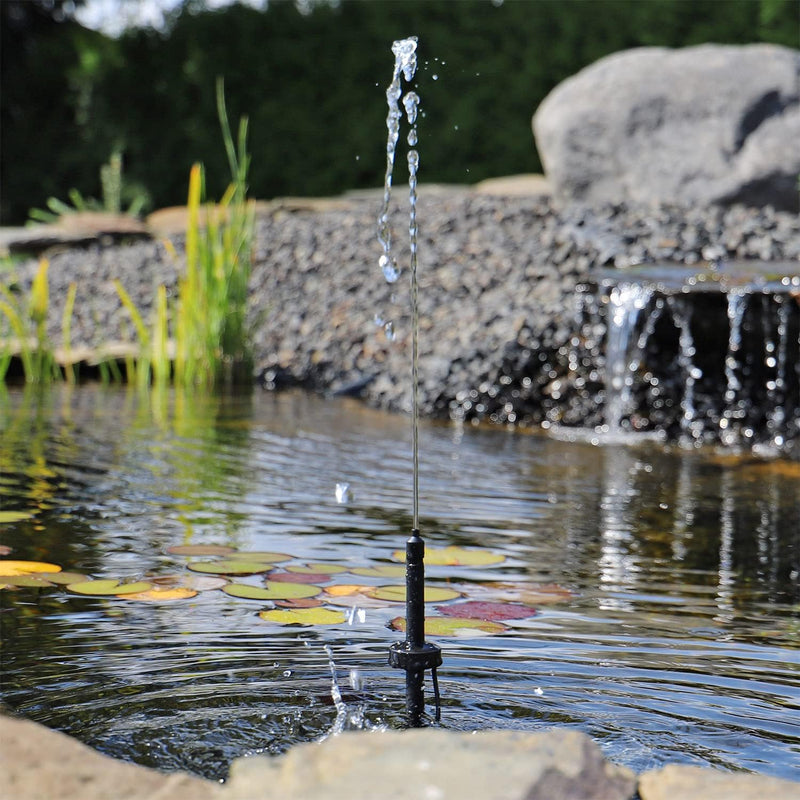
(497, 283)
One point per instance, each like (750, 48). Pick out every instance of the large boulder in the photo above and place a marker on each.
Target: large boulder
(712, 124)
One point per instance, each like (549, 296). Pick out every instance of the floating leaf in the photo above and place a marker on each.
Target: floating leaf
(303, 616)
(397, 593)
(455, 557)
(451, 626)
(345, 589)
(380, 571)
(63, 578)
(200, 583)
(26, 567)
(299, 577)
(5, 549)
(260, 556)
(493, 612)
(317, 569)
(108, 587)
(28, 581)
(528, 593)
(14, 516)
(157, 595)
(271, 591)
(229, 567)
(200, 550)
(299, 602)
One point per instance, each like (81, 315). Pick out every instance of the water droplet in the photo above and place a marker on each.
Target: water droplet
(356, 681)
(538, 691)
(435, 76)
(388, 330)
(412, 137)
(390, 269)
(343, 494)
(358, 158)
(287, 673)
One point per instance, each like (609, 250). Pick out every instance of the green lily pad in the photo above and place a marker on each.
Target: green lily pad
(228, 566)
(260, 556)
(9, 567)
(317, 569)
(15, 516)
(452, 556)
(380, 571)
(451, 626)
(200, 550)
(397, 593)
(28, 581)
(303, 616)
(108, 587)
(62, 578)
(271, 591)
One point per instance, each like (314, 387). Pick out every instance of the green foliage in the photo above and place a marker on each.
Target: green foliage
(314, 84)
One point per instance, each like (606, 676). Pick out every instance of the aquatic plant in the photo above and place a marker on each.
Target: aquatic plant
(211, 341)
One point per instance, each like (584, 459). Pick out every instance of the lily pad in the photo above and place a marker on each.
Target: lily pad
(262, 556)
(5, 549)
(397, 593)
(62, 578)
(159, 595)
(451, 626)
(492, 612)
(28, 581)
(299, 577)
(380, 571)
(199, 583)
(15, 516)
(452, 556)
(529, 593)
(108, 587)
(347, 589)
(299, 602)
(9, 567)
(271, 591)
(317, 569)
(200, 550)
(229, 566)
(303, 616)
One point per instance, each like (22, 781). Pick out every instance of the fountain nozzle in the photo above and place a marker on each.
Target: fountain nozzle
(415, 655)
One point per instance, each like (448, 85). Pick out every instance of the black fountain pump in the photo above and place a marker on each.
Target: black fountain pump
(415, 655)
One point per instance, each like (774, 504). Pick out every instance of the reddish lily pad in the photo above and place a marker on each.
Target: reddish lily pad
(452, 556)
(5, 550)
(492, 612)
(303, 616)
(299, 602)
(451, 626)
(200, 550)
(271, 591)
(299, 577)
(229, 566)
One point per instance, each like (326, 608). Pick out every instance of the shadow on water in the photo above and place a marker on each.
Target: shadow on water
(679, 642)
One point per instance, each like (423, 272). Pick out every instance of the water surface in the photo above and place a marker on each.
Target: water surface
(681, 641)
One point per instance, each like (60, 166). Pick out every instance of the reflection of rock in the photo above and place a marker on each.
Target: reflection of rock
(706, 124)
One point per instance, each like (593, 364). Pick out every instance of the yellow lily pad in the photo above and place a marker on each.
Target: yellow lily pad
(303, 616)
(15, 516)
(451, 626)
(271, 591)
(347, 589)
(452, 556)
(9, 567)
(157, 595)
(108, 587)
(397, 593)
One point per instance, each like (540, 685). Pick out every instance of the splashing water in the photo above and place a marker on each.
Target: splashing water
(405, 66)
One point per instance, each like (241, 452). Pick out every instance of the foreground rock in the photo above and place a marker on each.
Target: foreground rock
(430, 764)
(705, 124)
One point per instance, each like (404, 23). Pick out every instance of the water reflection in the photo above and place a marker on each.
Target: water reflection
(680, 642)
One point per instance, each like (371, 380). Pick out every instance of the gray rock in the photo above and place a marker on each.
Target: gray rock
(705, 124)
(676, 782)
(433, 764)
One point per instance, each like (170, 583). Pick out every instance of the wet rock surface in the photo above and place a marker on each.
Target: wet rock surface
(505, 334)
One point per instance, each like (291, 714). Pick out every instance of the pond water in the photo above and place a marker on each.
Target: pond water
(678, 641)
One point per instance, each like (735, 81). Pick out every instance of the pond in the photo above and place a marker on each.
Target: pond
(665, 580)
